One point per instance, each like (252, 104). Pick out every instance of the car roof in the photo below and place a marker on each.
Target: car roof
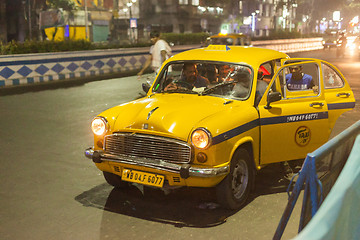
(253, 56)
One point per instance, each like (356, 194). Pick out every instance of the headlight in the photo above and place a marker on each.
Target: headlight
(99, 126)
(201, 138)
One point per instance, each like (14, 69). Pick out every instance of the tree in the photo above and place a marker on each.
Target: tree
(65, 5)
(351, 10)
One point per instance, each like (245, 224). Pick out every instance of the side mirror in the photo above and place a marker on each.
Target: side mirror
(272, 97)
(146, 86)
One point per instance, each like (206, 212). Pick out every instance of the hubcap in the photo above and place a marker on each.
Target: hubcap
(240, 179)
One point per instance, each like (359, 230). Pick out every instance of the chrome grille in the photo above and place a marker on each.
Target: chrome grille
(148, 146)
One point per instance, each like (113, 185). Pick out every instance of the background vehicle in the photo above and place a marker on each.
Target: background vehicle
(330, 39)
(341, 45)
(234, 39)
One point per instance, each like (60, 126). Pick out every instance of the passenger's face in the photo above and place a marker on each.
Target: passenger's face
(224, 71)
(296, 72)
(190, 73)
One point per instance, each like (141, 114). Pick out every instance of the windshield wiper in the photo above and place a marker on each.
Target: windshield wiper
(212, 89)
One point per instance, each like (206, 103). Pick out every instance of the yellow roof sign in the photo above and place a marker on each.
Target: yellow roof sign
(218, 48)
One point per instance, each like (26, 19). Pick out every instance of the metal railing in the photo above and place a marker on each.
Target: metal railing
(318, 174)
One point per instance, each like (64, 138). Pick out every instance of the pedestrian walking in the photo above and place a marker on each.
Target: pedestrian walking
(159, 52)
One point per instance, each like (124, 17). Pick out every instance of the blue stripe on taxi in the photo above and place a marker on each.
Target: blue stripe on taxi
(268, 121)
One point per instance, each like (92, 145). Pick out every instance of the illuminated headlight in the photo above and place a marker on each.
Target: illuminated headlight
(99, 126)
(201, 138)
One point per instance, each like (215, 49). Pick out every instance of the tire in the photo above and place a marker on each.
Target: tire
(115, 180)
(233, 191)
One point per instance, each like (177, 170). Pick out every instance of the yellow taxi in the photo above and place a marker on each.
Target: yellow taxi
(210, 120)
(235, 39)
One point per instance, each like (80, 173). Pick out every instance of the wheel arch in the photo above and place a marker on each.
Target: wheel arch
(246, 143)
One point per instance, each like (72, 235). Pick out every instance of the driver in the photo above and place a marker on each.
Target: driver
(190, 78)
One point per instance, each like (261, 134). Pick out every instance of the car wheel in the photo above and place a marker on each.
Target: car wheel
(115, 180)
(235, 188)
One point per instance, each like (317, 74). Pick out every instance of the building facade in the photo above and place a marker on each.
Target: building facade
(176, 16)
(132, 20)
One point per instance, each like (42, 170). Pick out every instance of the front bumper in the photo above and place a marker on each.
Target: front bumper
(185, 170)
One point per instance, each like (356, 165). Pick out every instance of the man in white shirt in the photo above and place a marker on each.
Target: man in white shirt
(159, 52)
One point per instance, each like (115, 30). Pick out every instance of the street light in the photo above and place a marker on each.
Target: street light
(29, 15)
(86, 21)
(253, 20)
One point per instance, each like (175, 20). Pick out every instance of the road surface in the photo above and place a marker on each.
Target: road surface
(49, 190)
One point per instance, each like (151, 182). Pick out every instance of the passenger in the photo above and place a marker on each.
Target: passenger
(190, 78)
(297, 80)
(242, 86)
(224, 73)
(264, 74)
(262, 85)
(210, 72)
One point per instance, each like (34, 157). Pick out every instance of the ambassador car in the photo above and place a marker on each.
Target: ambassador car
(235, 39)
(210, 120)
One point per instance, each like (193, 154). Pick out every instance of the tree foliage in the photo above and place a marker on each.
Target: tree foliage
(67, 5)
(352, 9)
(216, 2)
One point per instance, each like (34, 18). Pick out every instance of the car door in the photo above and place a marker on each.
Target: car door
(297, 122)
(338, 94)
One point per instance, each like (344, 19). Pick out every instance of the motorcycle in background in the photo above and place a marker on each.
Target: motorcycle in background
(341, 45)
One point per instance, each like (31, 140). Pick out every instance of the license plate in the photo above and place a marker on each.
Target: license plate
(142, 177)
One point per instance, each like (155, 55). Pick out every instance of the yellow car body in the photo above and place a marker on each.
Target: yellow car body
(151, 140)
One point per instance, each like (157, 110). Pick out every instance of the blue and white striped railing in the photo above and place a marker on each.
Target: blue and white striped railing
(16, 70)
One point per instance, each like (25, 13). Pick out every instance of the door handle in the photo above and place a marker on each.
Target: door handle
(320, 104)
(343, 94)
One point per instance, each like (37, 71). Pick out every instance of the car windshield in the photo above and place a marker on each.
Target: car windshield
(330, 36)
(206, 78)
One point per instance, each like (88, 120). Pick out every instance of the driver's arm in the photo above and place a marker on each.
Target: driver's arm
(171, 86)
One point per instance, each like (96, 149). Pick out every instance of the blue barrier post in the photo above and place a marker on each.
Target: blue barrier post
(308, 175)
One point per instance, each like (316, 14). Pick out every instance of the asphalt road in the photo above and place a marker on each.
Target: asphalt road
(49, 190)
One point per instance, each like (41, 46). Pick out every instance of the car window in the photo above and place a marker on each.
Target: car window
(210, 78)
(266, 72)
(298, 80)
(222, 41)
(332, 79)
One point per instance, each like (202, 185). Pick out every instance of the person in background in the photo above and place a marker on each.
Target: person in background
(341, 45)
(159, 52)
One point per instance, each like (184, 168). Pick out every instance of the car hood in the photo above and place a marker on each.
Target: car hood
(174, 115)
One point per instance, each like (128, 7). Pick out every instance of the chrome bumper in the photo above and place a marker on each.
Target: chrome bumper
(185, 170)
